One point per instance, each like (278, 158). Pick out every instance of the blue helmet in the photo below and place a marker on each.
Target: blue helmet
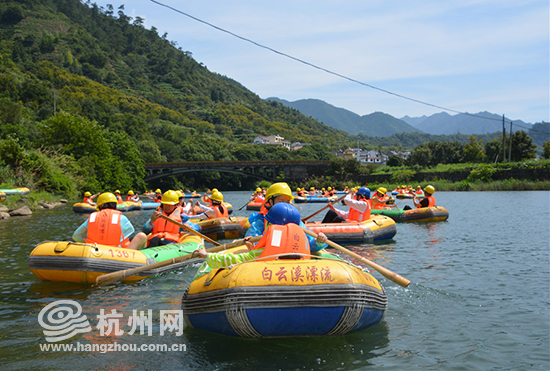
(363, 191)
(283, 213)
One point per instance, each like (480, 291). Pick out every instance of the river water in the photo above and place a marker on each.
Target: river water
(479, 299)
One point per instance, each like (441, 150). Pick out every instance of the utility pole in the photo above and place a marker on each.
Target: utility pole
(510, 149)
(503, 140)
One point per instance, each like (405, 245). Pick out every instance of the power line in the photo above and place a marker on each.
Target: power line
(332, 72)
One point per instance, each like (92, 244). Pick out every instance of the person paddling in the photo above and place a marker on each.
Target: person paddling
(427, 201)
(359, 204)
(283, 236)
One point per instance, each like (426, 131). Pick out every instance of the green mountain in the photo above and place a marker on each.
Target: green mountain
(478, 123)
(376, 124)
(125, 95)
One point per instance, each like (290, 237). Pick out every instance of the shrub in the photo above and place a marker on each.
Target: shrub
(483, 173)
(403, 176)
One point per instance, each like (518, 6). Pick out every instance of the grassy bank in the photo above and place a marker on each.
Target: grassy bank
(500, 185)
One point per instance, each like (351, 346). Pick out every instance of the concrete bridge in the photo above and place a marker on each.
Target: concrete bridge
(269, 170)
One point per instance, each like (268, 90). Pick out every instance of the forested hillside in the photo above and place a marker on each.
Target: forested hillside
(124, 95)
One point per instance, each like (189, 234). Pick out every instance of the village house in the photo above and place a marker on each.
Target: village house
(272, 140)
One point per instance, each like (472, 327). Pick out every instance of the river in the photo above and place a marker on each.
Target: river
(479, 299)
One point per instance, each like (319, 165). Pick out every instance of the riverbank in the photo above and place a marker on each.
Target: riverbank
(16, 205)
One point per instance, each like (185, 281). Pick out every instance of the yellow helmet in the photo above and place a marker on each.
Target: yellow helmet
(217, 196)
(258, 190)
(131, 193)
(106, 197)
(87, 194)
(158, 191)
(429, 189)
(329, 188)
(418, 187)
(382, 190)
(322, 189)
(117, 191)
(391, 201)
(180, 194)
(278, 189)
(214, 190)
(170, 198)
(298, 189)
(312, 189)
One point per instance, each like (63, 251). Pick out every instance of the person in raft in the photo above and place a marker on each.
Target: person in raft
(131, 196)
(379, 199)
(89, 198)
(216, 210)
(161, 231)
(158, 195)
(359, 208)
(109, 227)
(427, 201)
(118, 197)
(277, 193)
(283, 236)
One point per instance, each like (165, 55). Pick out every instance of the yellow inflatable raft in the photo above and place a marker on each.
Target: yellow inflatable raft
(323, 296)
(83, 263)
(221, 228)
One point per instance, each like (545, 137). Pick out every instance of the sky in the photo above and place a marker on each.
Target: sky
(462, 55)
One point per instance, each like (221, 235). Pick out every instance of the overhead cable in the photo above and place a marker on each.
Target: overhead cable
(332, 72)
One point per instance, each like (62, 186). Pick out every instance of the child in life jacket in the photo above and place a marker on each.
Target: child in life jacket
(283, 236)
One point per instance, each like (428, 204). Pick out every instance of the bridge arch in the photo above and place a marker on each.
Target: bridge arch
(268, 170)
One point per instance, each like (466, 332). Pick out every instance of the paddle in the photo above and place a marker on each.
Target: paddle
(323, 208)
(109, 278)
(383, 271)
(246, 203)
(191, 230)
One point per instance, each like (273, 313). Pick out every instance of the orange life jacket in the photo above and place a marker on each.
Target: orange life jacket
(87, 200)
(432, 201)
(258, 199)
(158, 197)
(356, 216)
(283, 239)
(104, 228)
(119, 199)
(263, 209)
(164, 229)
(377, 203)
(220, 214)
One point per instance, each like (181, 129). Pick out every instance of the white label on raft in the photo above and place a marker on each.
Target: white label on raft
(276, 238)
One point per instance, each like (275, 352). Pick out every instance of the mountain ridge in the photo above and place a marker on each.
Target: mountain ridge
(378, 124)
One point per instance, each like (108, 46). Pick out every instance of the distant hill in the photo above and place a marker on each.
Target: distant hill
(377, 124)
(443, 123)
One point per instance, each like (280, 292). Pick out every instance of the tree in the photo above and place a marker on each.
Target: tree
(546, 150)
(493, 150)
(421, 156)
(12, 15)
(473, 150)
(395, 160)
(523, 147)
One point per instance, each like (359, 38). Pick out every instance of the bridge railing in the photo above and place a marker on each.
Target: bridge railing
(164, 165)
